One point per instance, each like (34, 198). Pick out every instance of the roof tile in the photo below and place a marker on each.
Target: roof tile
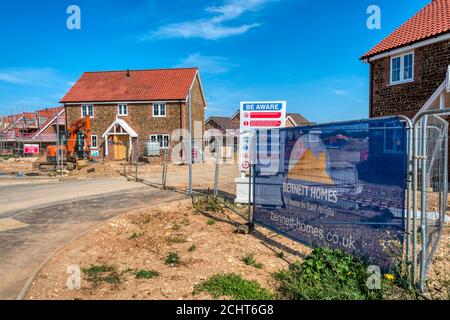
(431, 21)
(141, 85)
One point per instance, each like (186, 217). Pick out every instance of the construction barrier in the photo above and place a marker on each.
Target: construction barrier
(338, 185)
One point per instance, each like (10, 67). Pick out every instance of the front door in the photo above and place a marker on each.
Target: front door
(120, 147)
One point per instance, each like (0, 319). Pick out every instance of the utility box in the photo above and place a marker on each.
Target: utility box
(151, 149)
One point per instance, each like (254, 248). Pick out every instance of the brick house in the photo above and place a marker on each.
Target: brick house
(136, 104)
(408, 68)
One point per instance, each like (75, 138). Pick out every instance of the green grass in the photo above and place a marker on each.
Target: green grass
(146, 274)
(192, 248)
(326, 275)
(210, 222)
(173, 258)
(102, 273)
(233, 286)
(249, 260)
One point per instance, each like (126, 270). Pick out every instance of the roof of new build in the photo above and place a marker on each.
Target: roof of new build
(431, 21)
(298, 118)
(227, 123)
(224, 122)
(48, 112)
(132, 85)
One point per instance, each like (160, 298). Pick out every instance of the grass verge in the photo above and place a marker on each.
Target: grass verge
(233, 286)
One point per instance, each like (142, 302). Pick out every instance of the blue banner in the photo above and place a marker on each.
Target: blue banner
(338, 185)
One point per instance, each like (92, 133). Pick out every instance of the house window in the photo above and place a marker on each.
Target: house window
(402, 68)
(94, 144)
(87, 109)
(159, 110)
(392, 138)
(122, 110)
(163, 140)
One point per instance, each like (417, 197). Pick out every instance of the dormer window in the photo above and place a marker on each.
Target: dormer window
(402, 68)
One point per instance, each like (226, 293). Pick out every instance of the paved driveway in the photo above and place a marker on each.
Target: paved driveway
(36, 220)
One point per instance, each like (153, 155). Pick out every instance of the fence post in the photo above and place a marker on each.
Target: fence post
(190, 142)
(423, 206)
(415, 190)
(410, 137)
(137, 159)
(249, 219)
(164, 175)
(216, 173)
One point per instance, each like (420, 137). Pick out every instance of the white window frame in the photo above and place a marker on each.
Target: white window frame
(96, 141)
(158, 107)
(155, 135)
(87, 110)
(402, 68)
(121, 106)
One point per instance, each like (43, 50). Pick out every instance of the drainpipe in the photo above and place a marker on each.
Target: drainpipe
(371, 89)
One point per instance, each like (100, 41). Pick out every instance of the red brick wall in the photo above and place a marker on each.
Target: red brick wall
(430, 66)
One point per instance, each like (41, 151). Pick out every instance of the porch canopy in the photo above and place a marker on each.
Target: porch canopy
(119, 127)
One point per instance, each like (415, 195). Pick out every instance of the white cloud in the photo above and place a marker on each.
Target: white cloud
(208, 64)
(213, 27)
(37, 77)
(339, 92)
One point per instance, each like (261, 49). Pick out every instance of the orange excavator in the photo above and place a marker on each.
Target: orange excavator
(75, 149)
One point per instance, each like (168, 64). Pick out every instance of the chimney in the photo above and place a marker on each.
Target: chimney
(128, 73)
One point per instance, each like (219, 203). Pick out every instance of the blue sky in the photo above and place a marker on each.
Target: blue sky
(303, 51)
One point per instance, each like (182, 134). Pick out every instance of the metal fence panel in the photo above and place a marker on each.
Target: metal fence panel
(431, 154)
(340, 185)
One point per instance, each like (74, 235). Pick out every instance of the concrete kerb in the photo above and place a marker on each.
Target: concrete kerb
(23, 292)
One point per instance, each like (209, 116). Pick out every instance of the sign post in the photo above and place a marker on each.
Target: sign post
(255, 115)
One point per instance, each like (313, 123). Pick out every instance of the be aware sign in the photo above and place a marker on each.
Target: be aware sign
(258, 115)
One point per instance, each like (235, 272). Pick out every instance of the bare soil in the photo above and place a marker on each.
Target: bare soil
(142, 240)
(16, 165)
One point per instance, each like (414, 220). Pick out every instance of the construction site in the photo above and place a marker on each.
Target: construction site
(140, 185)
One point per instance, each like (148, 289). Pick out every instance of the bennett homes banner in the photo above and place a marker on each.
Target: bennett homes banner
(257, 115)
(338, 185)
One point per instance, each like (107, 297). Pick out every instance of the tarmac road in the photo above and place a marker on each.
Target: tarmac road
(37, 219)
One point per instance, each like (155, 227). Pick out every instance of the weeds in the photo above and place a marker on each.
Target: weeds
(326, 275)
(208, 203)
(280, 254)
(176, 226)
(210, 222)
(146, 274)
(173, 258)
(249, 260)
(233, 286)
(178, 238)
(102, 273)
(192, 248)
(135, 235)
